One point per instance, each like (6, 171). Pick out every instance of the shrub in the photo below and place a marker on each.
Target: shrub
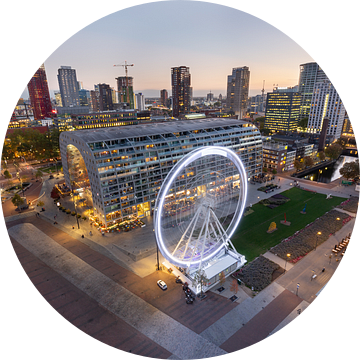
(73, 213)
(350, 204)
(68, 211)
(258, 273)
(305, 240)
(84, 217)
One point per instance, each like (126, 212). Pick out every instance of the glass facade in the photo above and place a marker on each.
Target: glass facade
(127, 165)
(282, 110)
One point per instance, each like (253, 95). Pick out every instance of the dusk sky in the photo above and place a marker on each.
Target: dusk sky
(210, 39)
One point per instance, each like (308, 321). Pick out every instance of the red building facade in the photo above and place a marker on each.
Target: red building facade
(39, 95)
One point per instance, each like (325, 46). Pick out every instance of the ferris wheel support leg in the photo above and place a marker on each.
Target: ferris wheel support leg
(197, 240)
(194, 220)
(206, 235)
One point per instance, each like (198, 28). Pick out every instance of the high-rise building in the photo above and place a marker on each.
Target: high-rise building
(326, 102)
(58, 100)
(310, 73)
(105, 97)
(163, 97)
(39, 94)
(126, 90)
(139, 102)
(238, 91)
(69, 87)
(347, 127)
(84, 96)
(180, 82)
(94, 101)
(282, 110)
(210, 97)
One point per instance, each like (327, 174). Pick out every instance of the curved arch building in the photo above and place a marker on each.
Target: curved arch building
(124, 166)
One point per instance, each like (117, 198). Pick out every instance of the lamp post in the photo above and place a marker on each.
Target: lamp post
(319, 233)
(287, 257)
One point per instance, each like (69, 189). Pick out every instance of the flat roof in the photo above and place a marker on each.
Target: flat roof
(128, 131)
(223, 263)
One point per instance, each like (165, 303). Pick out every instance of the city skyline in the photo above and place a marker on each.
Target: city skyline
(155, 52)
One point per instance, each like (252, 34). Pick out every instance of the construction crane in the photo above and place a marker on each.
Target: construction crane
(126, 77)
(125, 66)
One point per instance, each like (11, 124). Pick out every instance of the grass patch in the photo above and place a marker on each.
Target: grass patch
(251, 238)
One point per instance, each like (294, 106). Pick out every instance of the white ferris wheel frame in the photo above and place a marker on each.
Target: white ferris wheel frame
(172, 175)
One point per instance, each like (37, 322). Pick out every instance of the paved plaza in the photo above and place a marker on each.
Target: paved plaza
(103, 291)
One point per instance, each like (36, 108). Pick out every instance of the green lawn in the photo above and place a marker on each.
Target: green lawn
(251, 238)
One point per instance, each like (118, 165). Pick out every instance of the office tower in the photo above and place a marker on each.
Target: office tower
(94, 100)
(163, 97)
(238, 91)
(105, 97)
(125, 90)
(347, 127)
(68, 86)
(139, 102)
(84, 97)
(282, 110)
(180, 83)
(210, 97)
(310, 73)
(39, 94)
(220, 97)
(326, 102)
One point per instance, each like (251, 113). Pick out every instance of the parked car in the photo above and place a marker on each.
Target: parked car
(162, 284)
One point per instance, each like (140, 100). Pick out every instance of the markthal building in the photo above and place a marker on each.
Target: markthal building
(122, 168)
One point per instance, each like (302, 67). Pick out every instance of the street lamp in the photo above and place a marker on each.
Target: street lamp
(287, 257)
(319, 233)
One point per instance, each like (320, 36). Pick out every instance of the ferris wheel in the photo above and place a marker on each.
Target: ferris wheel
(199, 206)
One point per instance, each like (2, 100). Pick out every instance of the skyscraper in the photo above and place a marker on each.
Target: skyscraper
(125, 90)
(238, 91)
(105, 97)
(39, 94)
(140, 102)
(69, 87)
(163, 97)
(326, 103)
(180, 82)
(282, 110)
(310, 73)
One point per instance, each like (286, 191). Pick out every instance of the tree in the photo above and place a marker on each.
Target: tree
(308, 161)
(298, 165)
(274, 171)
(7, 174)
(350, 170)
(333, 151)
(17, 200)
(302, 124)
(321, 155)
(342, 141)
(38, 174)
(222, 278)
(265, 170)
(55, 193)
(234, 287)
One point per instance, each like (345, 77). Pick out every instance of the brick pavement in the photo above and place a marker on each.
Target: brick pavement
(136, 312)
(262, 324)
(84, 312)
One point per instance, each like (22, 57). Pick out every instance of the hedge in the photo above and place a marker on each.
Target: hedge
(305, 240)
